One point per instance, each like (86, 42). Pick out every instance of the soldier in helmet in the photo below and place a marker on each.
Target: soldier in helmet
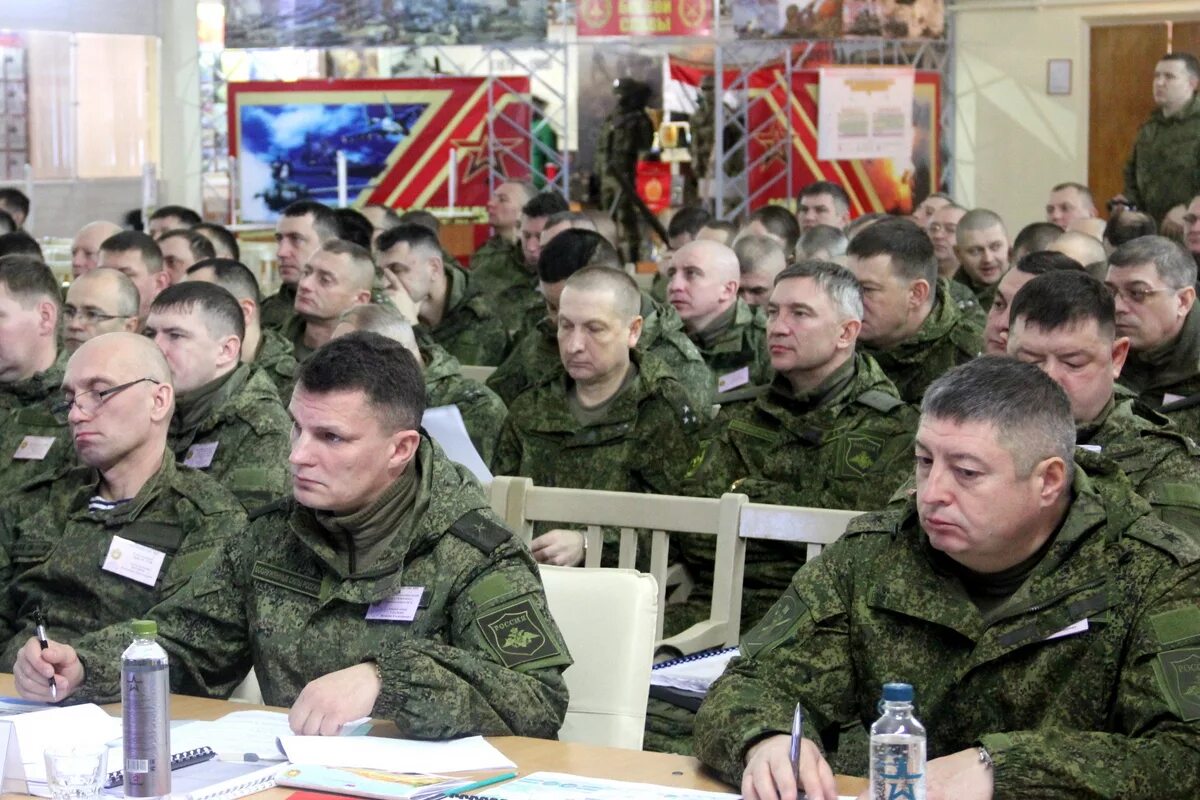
(626, 131)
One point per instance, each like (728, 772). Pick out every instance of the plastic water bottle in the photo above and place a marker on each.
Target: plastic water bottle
(897, 748)
(146, 714)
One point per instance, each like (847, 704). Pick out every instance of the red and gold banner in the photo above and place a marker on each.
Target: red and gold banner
(395, 135)
(654, 185)
(644, 17)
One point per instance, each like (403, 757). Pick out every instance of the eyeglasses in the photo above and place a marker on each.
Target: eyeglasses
(89, 403)
(1137, 295)
(89, 317)
(939, 227)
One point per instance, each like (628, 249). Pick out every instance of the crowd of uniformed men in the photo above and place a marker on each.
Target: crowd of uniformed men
(1018, 415)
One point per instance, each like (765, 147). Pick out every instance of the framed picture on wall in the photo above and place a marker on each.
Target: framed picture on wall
(1058, 76)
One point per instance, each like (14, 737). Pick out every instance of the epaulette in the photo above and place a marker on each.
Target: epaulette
(750, 429)
(278, 504)
(880, 401)
(1161, 536)
(875, 522)
(480, 532)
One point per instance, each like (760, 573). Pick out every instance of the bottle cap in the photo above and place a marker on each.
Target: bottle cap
(897, 693)
(145, 627)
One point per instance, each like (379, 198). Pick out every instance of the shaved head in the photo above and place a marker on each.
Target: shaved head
(704, 280)
(721, 259)
(1082, 247)
(384, 320)
(129, 355)
(85, 247)
(626, 298)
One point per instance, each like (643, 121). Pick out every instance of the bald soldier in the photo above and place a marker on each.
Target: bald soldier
(703, 288)
(760, 259)
(982, 248)
(338, 276)
(99, 301)
(1087, 250)
(482, 409)
(617, 419)
(125, 529)
(85, 247)
(228, 420)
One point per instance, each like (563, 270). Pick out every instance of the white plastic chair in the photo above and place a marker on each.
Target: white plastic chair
(608, 618)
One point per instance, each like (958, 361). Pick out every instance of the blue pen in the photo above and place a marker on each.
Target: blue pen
(797, 736)
(470, 787)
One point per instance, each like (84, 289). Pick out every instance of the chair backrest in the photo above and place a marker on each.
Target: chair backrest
(663, 515)
(607, 617)
(480, 374)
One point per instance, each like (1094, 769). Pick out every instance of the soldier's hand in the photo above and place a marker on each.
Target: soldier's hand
(332, 700)
(562, 548)
(399, 296)
(35, 667)
(960, 776)
(769, 774)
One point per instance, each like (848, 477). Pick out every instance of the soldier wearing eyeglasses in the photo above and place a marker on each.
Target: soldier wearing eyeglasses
(126, 529)
(1152, 280)
(100, 301)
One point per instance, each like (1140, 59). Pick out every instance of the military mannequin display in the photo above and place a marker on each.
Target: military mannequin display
(626, 132)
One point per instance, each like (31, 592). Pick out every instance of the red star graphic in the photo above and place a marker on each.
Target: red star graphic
(769, 138)
(473, 157)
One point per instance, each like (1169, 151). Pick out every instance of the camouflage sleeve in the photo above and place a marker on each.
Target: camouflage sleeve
(501, 671)
(715, 467)
(483, 414)
(1155, 711)
(203, 628)
(509, 379)
(892, 467)
(257, 470)
(507, 458)
(798, 652)
(1172, 487)
(669, 427)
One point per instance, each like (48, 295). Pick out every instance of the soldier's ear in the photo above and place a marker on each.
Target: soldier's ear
(635, 331)
(849, 333)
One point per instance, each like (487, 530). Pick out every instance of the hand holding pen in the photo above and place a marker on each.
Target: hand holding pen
(44, 642)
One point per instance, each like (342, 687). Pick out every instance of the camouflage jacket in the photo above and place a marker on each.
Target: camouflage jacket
(945, 339)
(973, 301)
(1066, 712)
(54, 550)
(481, 656)
(848, 445)
(498, 272)
(38, 390)
(275, 358)
(25, 457)
(482, 410)
(276, 310)
(1162, 466)
(643, 445)
(535, 357)
(1167, 378)
(469, 329)
(1164, 167)
(740, 343)
(241, 437)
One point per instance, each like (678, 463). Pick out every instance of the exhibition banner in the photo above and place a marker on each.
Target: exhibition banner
(865, 112)
(644, 17)
(405, 142)
(835, 19)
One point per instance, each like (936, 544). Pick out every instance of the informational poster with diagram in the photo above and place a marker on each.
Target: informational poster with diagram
(865, 112)
(14, 109)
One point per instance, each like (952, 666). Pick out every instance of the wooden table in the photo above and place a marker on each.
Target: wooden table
(530, 755)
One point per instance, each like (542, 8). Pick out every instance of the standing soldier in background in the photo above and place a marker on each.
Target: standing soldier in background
(701, 147)
(625, 132)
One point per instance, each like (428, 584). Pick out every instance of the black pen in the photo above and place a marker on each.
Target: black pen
(797, 738)
(41, 636)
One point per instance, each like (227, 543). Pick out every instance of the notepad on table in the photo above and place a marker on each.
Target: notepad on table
(472, 753)
(373, 783)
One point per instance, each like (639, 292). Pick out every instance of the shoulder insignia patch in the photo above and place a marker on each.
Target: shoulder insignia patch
(880, 401)
(874, 522)
(1178, 673)
(752, 430)
(518, 633)
(775, 627)
(480, 532)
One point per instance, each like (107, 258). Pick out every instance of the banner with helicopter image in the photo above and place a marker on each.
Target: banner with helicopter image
(404, 142)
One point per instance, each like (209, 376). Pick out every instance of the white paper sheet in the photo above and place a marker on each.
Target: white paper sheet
(444, 424)
(395, 755)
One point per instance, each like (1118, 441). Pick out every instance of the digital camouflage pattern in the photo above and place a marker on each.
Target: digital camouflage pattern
(276, 310)
(946, 339)
(482, 656)
(1163, 170)
(482, 409)
(973, 300)
(535, 359)
(1095, 713)
(54, 548)
(741, 342)
(469, 329)
(624, 134)
(499, 274)
(44, 387)
(21, 434)
(847, 445)
(1162, 466)
(276, 360)
(1166, 379)
(251, 431)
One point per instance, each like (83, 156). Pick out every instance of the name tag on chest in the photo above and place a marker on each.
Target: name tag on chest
(200, 456)
(732, 380)
(33, 448)
(134, 561)
(400, 607)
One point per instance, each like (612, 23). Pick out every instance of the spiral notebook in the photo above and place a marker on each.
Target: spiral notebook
(258, 780)
(694, 673)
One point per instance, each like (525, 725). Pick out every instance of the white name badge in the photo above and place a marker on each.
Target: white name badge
(1169, 398)
(400, 607)
(33, 448)
(1070, 630)
(1095, 448)
(732, 380)
(134, 561)
(200, 456)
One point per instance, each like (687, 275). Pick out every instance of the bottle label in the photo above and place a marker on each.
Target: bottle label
(897, 769)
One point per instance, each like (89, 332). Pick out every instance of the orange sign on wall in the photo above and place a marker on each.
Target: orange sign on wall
(644, 17)
(654, 185)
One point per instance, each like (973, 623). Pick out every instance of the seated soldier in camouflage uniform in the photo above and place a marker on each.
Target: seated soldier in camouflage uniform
(535, 359)
(383, 586)
(299, 232)
(34, 440)
(337, 277)
(108, 540)
(100, 301)
(482, 410)
(450, 309)
(500, 269)
(616, 420)
(264, 348)
(703, 288)
(982, 249)
(228, 420)
(1049, 629)
(830, 432)
(911, 326)
(1064, 322)
(995, 330)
